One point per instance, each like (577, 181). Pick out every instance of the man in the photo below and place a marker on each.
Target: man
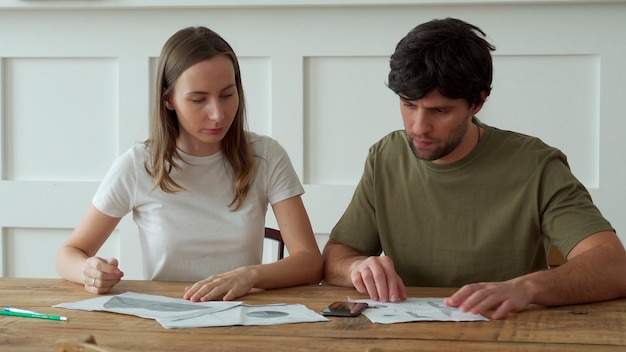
(453, 202)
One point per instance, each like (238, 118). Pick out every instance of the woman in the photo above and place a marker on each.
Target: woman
(198, 188)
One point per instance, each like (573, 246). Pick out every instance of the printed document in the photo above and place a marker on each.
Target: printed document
(181, 313)
(414, 309)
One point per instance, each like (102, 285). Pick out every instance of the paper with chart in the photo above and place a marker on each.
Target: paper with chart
(181, 313)
(244, 314)
(414, 309)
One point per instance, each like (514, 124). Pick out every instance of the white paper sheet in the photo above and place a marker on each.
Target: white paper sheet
(181, 313)
(414, 309)
(149, 306)
(249, 315)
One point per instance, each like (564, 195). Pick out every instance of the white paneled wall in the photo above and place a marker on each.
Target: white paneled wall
(75, 79)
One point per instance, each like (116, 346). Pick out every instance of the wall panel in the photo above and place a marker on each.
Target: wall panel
(61, 118)
(75, 81)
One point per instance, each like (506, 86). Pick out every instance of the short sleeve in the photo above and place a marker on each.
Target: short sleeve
(357, 228)
(275, 169)
(568, 212)
(114, 196)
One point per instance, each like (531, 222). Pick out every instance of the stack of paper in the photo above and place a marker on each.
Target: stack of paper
(181, 313)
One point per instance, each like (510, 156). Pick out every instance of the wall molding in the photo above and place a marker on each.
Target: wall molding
(138, 4)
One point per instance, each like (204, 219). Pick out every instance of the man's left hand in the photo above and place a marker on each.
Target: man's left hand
(505, 297)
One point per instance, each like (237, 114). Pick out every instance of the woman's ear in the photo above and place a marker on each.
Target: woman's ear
(168, 105)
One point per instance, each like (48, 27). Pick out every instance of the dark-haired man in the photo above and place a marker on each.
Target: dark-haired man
(454, 202)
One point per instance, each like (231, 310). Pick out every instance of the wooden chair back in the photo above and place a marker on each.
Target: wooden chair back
(555, 258)
(276, 236)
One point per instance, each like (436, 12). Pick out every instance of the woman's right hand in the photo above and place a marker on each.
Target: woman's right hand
(100, 275)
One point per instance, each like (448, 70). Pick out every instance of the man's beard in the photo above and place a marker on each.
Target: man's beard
(456, 137)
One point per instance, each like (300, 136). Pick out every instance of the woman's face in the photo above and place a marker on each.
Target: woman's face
(206, 100)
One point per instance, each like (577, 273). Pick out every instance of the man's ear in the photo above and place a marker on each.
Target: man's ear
(476, 107)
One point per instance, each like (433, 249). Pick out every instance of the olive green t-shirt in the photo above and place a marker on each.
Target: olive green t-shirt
(488, 217)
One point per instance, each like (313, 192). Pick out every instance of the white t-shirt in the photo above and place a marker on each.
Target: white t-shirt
(190, 235)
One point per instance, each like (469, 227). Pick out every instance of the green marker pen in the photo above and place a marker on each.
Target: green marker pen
(31, 315)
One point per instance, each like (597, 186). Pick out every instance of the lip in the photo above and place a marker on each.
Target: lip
(213, 130)
(422, 143)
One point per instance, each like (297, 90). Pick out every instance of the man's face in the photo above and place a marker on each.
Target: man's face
(437, 127)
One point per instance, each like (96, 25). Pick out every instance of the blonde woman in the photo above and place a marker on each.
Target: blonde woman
(198, 188)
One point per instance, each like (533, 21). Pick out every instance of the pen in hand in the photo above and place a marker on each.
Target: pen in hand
(29, 314)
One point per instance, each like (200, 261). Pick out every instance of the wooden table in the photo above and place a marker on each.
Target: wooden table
(588, 327)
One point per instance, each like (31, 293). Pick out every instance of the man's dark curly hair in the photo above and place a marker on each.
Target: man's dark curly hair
(449, 55)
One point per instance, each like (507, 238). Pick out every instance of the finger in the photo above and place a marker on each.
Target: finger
(460, 296)
(90, 274)
(379, 278)
(98, 286)
(402, 290)
(357, 281)
(105, 282)
(397, 291)
(101, 290)
(112, 267)
(102, 269)
(214, 294)
(370, 284)
(88, 281)
(505, 308)
(203, 291)
(92, 266)
(485, 297)
(191, 291)
(481, 301)
(232, 294)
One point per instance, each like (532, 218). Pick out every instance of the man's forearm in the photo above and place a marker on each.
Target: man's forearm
(596, 275)
(338, 261)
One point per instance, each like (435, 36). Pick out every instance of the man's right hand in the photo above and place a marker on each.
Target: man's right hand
(377, 277)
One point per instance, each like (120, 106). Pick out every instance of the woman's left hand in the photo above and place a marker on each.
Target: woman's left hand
(225, 287)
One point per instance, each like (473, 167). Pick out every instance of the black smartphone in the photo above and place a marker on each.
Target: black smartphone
(344, 309)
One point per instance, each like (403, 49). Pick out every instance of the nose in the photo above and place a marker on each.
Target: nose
(418, 122)
(215, 112)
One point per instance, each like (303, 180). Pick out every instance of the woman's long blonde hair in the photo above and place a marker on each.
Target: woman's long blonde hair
(182, 50)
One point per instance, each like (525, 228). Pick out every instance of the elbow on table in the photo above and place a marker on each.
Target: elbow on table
(316, 269)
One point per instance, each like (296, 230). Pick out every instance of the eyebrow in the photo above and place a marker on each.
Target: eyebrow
(434, 107)
(203, 92)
